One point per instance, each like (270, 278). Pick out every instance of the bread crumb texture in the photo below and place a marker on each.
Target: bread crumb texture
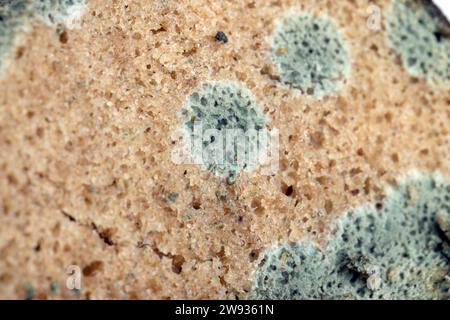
(87, 181)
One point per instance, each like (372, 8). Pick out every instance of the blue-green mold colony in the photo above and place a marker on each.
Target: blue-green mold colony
(310, 54)
(223, 106)
(421, 37)
(396, 249)
(56, 11)
(15, 15)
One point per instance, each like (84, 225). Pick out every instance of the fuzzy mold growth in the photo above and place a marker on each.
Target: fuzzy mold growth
(397, 249)
(420, 35)
(57, 11)
(224, 123)
(310, 54)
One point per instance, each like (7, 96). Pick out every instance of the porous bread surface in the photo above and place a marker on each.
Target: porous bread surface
(85, 140)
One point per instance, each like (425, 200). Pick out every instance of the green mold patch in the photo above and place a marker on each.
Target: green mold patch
(310, 54)
(224, 123)
(16, 15)
(57, 11)
(420, 35)
(395, 249)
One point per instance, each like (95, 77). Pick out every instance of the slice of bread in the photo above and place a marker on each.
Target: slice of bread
(98, 97)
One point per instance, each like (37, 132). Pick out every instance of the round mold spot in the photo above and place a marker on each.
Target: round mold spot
(310, 54)
(57, 11)
(420, 34)
(224, 123)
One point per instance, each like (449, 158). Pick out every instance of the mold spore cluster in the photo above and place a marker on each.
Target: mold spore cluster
(57, 11)
(396, 249)
(227, 120)
(310, 54)
(15, 16)
(420, 35)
